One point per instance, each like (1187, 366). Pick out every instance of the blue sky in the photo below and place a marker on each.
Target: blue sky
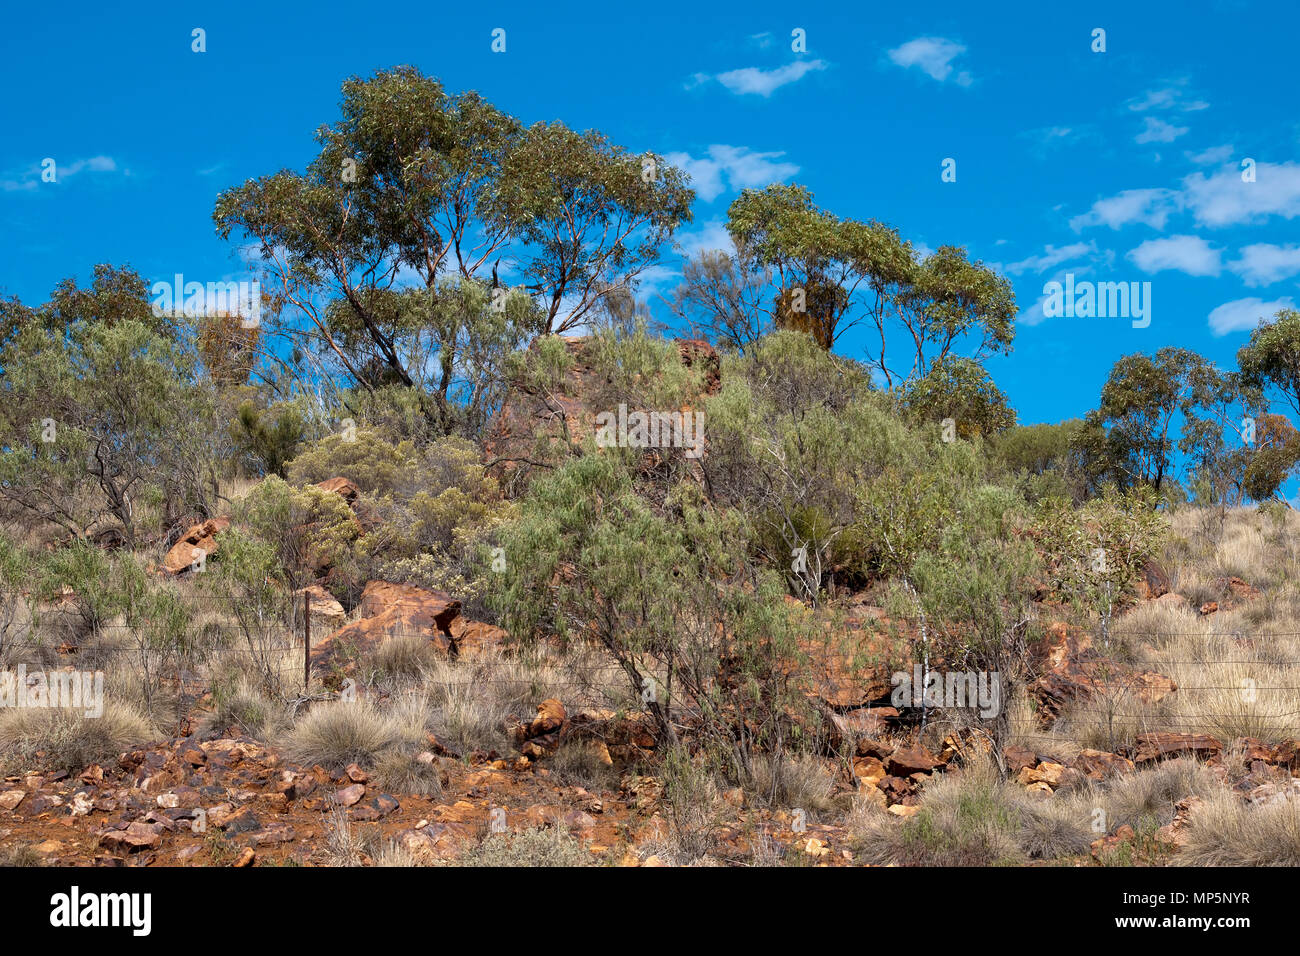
(1115, 166)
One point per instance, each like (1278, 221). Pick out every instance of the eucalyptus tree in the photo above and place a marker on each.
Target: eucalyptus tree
(415, 192)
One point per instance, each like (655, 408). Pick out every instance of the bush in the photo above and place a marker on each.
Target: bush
(339, 733)
(66, 739)
(374, 464)
(581, 763)
(1225, 831)
(528, 849)
(793, 781)
(269, 437)
(1146, 799)
(959, 389)
(974, 819)
(310, 529)
(399, 771)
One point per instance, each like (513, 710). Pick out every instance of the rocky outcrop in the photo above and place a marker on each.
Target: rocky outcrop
(391, 610)
(1157, 746)
(1071, 669)
(197, 544)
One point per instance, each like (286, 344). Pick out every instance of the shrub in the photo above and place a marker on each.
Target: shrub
(269, 437)
(793, 781)
(528, 849)
(959, 389)
(1146, 799)
(1226, 831)
(974, 818)
(370, 461)
(399, 771)
(339, 733)
(66, 739)
(580, 763)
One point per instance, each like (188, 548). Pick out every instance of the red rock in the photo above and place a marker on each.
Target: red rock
(1018, 758)
(393, 610)
(347, 796)
(200, 537)
(475, 639)
(374, 809)
(1054, 775)
(909, 760)
(1154, 746)
(1098, 764)
(868, 769)
(1209, 607)
(1154, 582)
(1288, 753)
(136, 836)
(344, 487)
(1253, 749)
(322, 605)
(1108, 844)
(541, 735)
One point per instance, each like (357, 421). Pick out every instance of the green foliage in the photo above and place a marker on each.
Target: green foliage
(1271, 359)
(269, 436)
(590, 559)
(973, 584)
(430, 511)
(1043, 460)
(412, 178)
(1174, 400)
(100, 416)
(831, 273)
(1277, 451)
(639, 369)
(309, 529)
(793, 433)
(374, 464)
(1095, 554)
(433, 531)
(960, 389)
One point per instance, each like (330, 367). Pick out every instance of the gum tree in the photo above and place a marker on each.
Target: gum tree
(828, 275)
(415, 190)
(100, 412)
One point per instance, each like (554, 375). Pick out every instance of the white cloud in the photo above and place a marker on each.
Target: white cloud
(1035, 314)
(1243, 315)
(753, 79)
(1158, 131)
(741, 168)
(709, 236)
(933, 56)
(1052, 256)
(30, 178)
(1149, 206)
(1166, 98)
(1214, 156)
(1264, 263)
(1189, 254)
(1217, 199)
(1222, 199)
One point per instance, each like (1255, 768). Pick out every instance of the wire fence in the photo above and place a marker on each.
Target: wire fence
(304, 646)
